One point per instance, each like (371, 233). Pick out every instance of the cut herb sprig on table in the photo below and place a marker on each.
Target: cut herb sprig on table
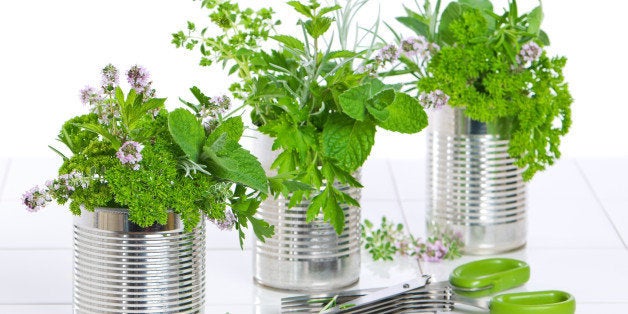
(321, 111)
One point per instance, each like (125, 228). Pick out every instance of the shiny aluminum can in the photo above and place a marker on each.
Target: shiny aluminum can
(474, 189)
(308, 256)
(120, 267)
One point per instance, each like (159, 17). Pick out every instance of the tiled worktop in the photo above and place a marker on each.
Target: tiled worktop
(578, 230)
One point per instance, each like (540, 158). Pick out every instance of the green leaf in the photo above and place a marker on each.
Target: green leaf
(377, 105)
(232, 128)
(354, 100)
(348, 141)
(236, 164)
(289, 41)
(543, 38)
(318, 26)
(187, 132)
(301, 8)
(451, 13)
(326, 10)
(261, 228)
(478, 4)
(102, 131)
(406, 115)
(535, 18)
(341, 54)
(415, 25)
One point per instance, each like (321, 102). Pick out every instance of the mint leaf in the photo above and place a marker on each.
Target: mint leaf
(301, 8)
(354, 100)
(405, 115)
(187, 132)
(377, 105)
(289, 42)
(348, 141)
(236, 164)
(419, 27)
(318, 26)
(232, 127)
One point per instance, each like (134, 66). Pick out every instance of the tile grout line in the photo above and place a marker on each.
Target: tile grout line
(600, 203)
(397, 194)
(3, 181)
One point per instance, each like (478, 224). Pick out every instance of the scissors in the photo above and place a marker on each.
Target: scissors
(468, 284)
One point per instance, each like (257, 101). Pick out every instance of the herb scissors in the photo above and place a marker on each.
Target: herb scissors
(467, 284)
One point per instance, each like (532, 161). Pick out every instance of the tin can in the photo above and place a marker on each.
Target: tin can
(474, 188)
(120, 267)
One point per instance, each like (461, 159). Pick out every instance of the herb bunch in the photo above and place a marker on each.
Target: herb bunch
(311, 98)
(494, 66)
(390, 240)
(130, 152)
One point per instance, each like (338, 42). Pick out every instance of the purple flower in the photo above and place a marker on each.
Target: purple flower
(139, 78)
(110, 78)
(66, 184)
(389, 53)
(530, 52)
(210, 112)
(434, 252)
(130, 153)
(434, 99)
(227, 223)
(90, 95)
(35, 199)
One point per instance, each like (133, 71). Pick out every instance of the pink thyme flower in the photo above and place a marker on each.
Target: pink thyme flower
(110, 78)
(530, 52)
(139, 78)
(130, 153)
(388, 54)
(435, 99)
(90, 95)
(66, 184)
(434, 252)
(227, 223)
(210, 112)
(35, 199)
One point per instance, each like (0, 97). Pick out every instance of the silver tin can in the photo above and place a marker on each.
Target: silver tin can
(308, 256)
(120, 267)
(474, 189)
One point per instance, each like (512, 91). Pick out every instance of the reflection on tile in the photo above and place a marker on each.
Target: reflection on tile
(229, 277)
(562, 180)
(36, 277)
(617, 209)
(24, 173)
(415, 217)
(608, 177)
(377, 181)
(410, 178)
(569, 223)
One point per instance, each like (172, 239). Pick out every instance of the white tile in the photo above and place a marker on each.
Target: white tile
(562, 180)
(50, 228)
(36, 277)
(4, 168)
(229, 277)
(37, 309)
(414, 212)
(377, 181)
(617, 210)
(607, 176)
(597, 308)
(569, 223)
(374, 210)
(24, 173)
(410, 178)
(241, 309)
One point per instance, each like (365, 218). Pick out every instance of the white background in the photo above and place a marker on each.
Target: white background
(51, 49)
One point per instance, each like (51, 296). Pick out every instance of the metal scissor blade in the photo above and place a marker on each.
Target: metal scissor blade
(383, 296)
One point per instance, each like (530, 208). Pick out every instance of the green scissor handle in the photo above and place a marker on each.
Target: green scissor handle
(539, 302)
(489, 276)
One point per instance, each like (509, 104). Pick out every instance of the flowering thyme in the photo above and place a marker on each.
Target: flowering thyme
(110, 78)
(418, 46)
(388, 54)
(213, 109)
(435, 99)
(130, 153)
(391, 239)
(35, 199)
(63, 186)
(226, 223)
(90, 96)
(139, 78)
(530, 52)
